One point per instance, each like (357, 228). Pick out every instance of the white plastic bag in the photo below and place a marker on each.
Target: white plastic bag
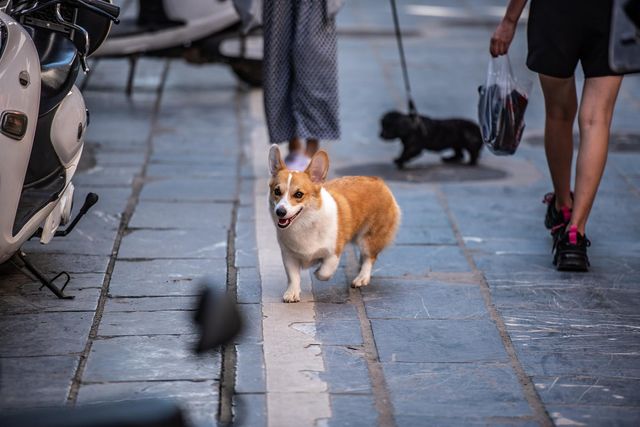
(501, 107)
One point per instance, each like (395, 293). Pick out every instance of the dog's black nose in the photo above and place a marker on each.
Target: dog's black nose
(281, 212)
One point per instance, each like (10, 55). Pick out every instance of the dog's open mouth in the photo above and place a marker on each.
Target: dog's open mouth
(285, 222)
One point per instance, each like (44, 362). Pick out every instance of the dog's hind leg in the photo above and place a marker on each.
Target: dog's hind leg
(364, 276)
(327, 268)
(370, 247)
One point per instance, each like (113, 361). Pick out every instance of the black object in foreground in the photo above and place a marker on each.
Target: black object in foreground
(218, 317)
(138, 413)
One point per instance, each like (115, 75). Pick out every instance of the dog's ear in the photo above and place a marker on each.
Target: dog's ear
(318, 167)
(275, 160)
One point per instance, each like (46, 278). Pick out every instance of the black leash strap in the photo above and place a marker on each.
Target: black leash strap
(407, 87)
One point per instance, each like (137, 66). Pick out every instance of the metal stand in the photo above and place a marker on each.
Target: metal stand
(49, 283)
(133, 61)
(90, 200)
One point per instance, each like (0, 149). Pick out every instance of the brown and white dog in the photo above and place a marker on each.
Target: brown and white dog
(315, 220)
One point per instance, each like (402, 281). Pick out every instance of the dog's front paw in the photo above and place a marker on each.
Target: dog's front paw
(322, 275)
(291, 296)
(360, 281)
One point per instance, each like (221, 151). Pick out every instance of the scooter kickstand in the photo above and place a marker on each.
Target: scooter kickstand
(59, 292)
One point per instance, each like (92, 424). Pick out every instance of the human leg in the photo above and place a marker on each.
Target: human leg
(561, 104)
(315, 87)
(596, 111)
(278, 18)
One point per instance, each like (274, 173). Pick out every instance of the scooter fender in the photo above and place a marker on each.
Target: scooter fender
(20, 83)
(68, 128)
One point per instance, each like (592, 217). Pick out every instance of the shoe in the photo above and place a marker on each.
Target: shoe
(570, 251)
(555, 220)
(296, 161)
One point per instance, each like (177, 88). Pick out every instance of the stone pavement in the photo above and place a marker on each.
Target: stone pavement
(465, 322)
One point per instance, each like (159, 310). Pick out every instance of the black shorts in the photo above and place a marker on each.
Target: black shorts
(562, 32)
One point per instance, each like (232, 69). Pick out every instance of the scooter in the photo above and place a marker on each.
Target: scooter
(200, 31)
(43, 118)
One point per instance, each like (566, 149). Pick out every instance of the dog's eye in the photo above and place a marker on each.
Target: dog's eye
(298, 195)
(277, 191)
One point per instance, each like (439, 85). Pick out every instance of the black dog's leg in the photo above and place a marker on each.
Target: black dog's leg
(409, 151)
(457, 157)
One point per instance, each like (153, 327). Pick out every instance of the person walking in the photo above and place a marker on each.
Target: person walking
(300, 75)
(559, 35)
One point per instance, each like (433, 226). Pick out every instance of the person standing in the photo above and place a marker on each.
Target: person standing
(559, 35)
(300, 76)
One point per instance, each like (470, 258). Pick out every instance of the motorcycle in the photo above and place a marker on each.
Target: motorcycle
(200, 31)
(43, 118)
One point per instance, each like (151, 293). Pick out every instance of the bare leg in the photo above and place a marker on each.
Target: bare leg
(292, 267)
(596, 111)
(561, 104)
(295, 145)
(313, 145)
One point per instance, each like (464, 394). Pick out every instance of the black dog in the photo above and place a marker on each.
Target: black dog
(422, 133)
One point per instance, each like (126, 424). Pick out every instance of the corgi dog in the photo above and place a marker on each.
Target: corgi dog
(315, 219)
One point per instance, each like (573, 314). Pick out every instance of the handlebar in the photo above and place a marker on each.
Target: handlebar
(99, 7)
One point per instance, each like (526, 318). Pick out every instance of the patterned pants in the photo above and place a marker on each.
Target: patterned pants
(300, 71)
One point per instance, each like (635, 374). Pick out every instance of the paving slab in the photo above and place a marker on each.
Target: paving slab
(190, 190)
(250, 410)
(150, 358)
(43, 381)
(249, 285)
(158, 303)
(417, 261)
(444, 341)
(250, 370)
(413, 299)
(594, 415)
(108, 176)
(455, 390)
(153, 244)
(202, 216)
(352, 411)
(147, 323)
(251, 324)
(588, 391)
(54, 263)
(30, 299)
(165, 167)
(346, 370)
(166, 277)
(44, 334)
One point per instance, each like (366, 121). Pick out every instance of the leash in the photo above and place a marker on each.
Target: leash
(405, 74)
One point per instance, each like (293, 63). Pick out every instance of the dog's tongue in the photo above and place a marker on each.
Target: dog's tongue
(283, 221)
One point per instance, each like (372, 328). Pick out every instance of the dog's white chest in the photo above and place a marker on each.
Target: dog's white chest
(314, 234)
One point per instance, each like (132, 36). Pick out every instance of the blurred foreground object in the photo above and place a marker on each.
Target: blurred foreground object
(194, 30)
(218, 317)
(139, 413)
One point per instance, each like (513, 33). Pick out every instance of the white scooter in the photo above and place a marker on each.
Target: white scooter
(200, 31)
(43, 44)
